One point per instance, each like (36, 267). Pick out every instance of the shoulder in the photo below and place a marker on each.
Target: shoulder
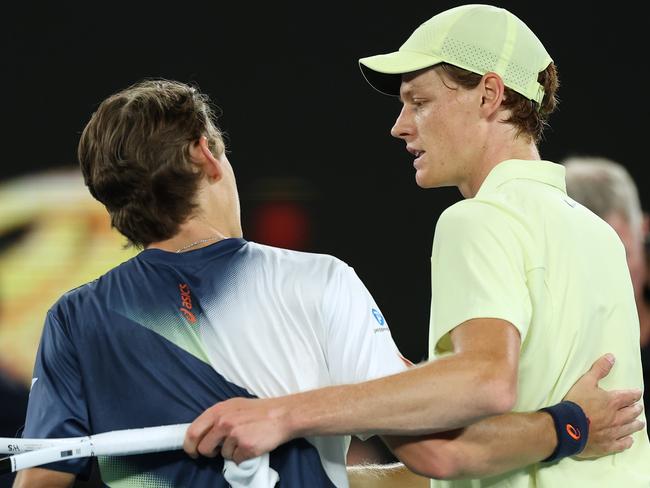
(79, 299)
(309, 263)
(472, 215)
(476, 209)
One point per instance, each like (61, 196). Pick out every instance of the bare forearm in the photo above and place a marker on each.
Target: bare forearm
(437, 396)
(43, 478)
(492, 446)
(506, 442)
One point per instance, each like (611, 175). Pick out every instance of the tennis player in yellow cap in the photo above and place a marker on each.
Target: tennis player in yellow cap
(528, 286)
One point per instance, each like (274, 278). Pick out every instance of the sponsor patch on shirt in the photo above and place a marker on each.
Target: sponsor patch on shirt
(380, 320)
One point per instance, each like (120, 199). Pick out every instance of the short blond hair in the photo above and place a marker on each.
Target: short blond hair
(605, 187)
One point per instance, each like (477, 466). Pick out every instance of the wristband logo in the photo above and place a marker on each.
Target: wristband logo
(573, 432)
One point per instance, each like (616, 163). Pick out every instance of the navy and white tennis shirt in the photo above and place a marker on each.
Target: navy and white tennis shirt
(165, 335)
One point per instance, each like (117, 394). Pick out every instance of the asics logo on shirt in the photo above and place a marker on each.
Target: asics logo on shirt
(186, 303)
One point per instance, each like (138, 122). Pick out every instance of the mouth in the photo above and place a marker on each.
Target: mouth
(415, 152)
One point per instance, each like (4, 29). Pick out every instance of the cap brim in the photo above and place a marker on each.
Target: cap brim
(384, 71)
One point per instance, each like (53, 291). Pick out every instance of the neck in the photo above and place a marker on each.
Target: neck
(519, 148)
(195, 234)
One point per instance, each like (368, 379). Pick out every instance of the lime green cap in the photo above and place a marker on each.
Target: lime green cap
(478, 38)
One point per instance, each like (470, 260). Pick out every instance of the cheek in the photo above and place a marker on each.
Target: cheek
(443, 124)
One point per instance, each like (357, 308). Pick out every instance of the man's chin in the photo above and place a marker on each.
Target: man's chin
(425, 182)
(428, 183)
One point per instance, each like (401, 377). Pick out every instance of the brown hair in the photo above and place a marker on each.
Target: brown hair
(134, 156)
(525, 115)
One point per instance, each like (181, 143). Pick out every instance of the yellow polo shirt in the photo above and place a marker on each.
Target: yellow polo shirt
(524, 252)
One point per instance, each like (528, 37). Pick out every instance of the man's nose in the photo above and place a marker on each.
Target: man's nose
(402, 127)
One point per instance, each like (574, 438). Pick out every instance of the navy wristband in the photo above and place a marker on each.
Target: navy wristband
(572, 428)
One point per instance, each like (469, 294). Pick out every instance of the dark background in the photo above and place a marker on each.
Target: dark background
(295, 107)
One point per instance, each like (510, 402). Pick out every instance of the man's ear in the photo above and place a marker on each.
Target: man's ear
(493, 92)
(201, 154)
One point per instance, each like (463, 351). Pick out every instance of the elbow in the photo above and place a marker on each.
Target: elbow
(441, 470)
(438, 463)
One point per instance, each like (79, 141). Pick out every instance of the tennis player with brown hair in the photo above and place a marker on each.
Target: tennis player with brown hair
(199, 315)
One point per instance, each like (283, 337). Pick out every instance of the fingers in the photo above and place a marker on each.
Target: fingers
(630, 428)
(618, 437)
(232, 449)
(621, 445)
(206, 433)
(209, 446)
(233, 428)
(195, 433)
(629, 414)
(601, 367)
(228, 448)
(243, 453)
(625, 398)
(628, 422)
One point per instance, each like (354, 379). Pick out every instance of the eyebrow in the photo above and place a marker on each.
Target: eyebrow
(407, 93)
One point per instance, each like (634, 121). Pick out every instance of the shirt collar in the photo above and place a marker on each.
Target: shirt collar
(513, 169)
(215, 250)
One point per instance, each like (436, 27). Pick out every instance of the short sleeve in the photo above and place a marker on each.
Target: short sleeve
(477, 271)
(56, 406)
(359, 345)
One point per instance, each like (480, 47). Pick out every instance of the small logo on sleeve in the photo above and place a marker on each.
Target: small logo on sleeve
(186, 303)
(380, 320)
(569, 202)
(378, 316)
(574, 432)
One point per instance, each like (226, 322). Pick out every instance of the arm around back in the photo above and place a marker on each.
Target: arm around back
(502, 443)
(486, 353)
